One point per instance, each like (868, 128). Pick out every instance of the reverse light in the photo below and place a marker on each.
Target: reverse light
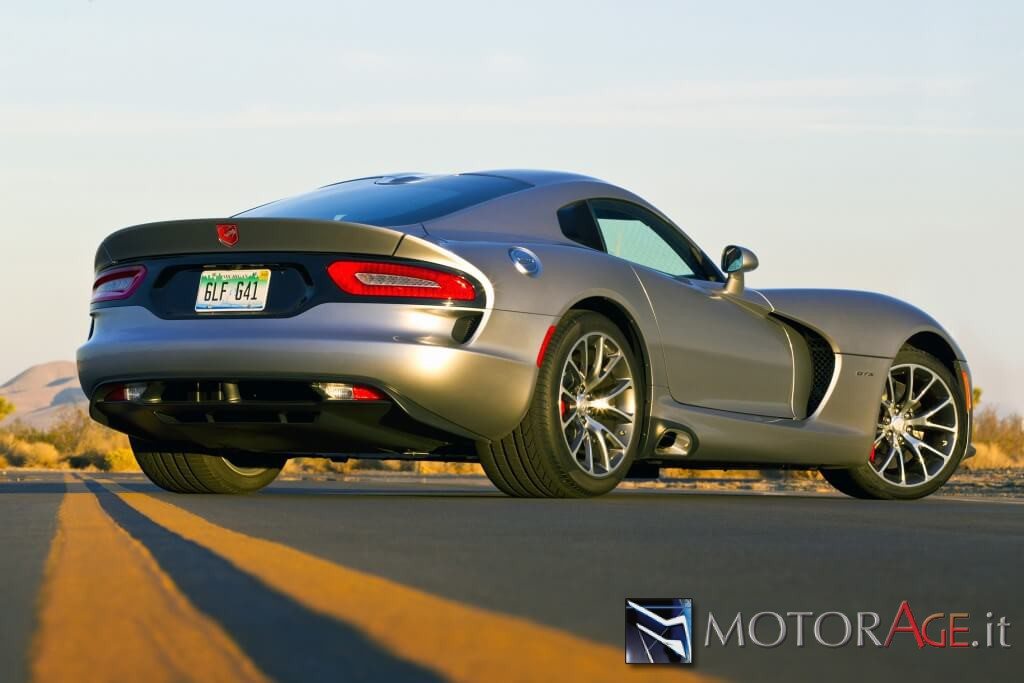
(126, 392)
(117, 284)
(399, 280)
(337, 391)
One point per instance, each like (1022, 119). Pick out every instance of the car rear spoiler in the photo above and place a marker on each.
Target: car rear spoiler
(228, 235)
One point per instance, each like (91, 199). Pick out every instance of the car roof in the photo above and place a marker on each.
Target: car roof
(531, 176)
(536, 177)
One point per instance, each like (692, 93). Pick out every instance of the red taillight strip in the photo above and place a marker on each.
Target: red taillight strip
(361, 393)
(136, 274)
(399, 280)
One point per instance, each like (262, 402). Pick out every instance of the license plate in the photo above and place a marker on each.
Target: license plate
(233, 290)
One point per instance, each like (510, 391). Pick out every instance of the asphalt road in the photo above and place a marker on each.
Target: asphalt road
(412, 579)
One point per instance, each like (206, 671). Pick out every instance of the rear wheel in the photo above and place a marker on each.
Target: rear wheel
(583, 426)
(200, 473)
(921, 434)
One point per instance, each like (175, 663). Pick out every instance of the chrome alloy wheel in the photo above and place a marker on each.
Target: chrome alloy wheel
(918, 427)
(597, 404)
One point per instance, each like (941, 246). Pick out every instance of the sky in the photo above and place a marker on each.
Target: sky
(868, 145)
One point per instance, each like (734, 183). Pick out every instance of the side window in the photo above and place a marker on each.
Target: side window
(639, 236)
(577, 224)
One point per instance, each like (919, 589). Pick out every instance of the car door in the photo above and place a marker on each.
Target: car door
(720, 354)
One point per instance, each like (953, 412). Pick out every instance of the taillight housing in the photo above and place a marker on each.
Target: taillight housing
(125, 392)
(400, 281)
(338, 391)
(116, 284)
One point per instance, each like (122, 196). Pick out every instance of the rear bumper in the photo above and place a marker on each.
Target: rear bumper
(282, 426)
(477, 389)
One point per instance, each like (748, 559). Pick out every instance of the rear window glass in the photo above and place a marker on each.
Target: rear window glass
(390, 201)
(577, 224)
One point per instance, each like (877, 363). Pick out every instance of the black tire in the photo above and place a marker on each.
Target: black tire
(865, 482)
(534, 460)
(200, 473)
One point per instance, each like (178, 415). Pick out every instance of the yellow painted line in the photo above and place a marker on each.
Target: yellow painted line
(458, 641)
(109, 613)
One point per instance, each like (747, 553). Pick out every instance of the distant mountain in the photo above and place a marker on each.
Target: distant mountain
(42, 392)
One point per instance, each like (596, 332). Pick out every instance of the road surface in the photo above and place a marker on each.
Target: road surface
(402, 578)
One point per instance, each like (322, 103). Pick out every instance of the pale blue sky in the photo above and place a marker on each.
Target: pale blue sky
(877, 145)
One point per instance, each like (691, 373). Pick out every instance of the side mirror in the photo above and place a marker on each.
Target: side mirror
(735, 262)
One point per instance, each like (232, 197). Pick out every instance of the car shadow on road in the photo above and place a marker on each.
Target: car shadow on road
(32, 487)
(290, 491)
(284, 639)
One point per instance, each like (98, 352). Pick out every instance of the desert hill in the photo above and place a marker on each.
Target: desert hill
(42, 392)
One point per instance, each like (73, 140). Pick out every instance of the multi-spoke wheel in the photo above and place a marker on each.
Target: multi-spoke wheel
(918, 426)
(597, 404)
(920, 437)
(580, 434)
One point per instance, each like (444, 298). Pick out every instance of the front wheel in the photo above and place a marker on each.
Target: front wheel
(200, 473)
(583, 426)
(921, 436)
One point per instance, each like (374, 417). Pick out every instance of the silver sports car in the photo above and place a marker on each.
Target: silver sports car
(556, 328)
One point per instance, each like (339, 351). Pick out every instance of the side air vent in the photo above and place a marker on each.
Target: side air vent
(823, 364)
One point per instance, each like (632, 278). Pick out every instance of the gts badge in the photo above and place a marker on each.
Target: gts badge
(865, 373)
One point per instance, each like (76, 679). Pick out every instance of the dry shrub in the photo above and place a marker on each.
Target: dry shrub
(681, 473)
(1003, 431)
(803, 475)
(3, 462)
(323, 466)
(120, 460)
(116, 460)
(382, 465)
(297, 466)
(21, 453)
(75, 433)
(73, 440)
(991, 457)
(6, 407)
(447, 468)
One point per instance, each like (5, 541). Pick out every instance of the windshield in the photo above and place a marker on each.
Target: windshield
(390, 201)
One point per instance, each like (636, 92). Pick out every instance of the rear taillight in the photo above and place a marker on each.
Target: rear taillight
(125, 392)
(119, 283)
(338, 391)
(399, 280)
